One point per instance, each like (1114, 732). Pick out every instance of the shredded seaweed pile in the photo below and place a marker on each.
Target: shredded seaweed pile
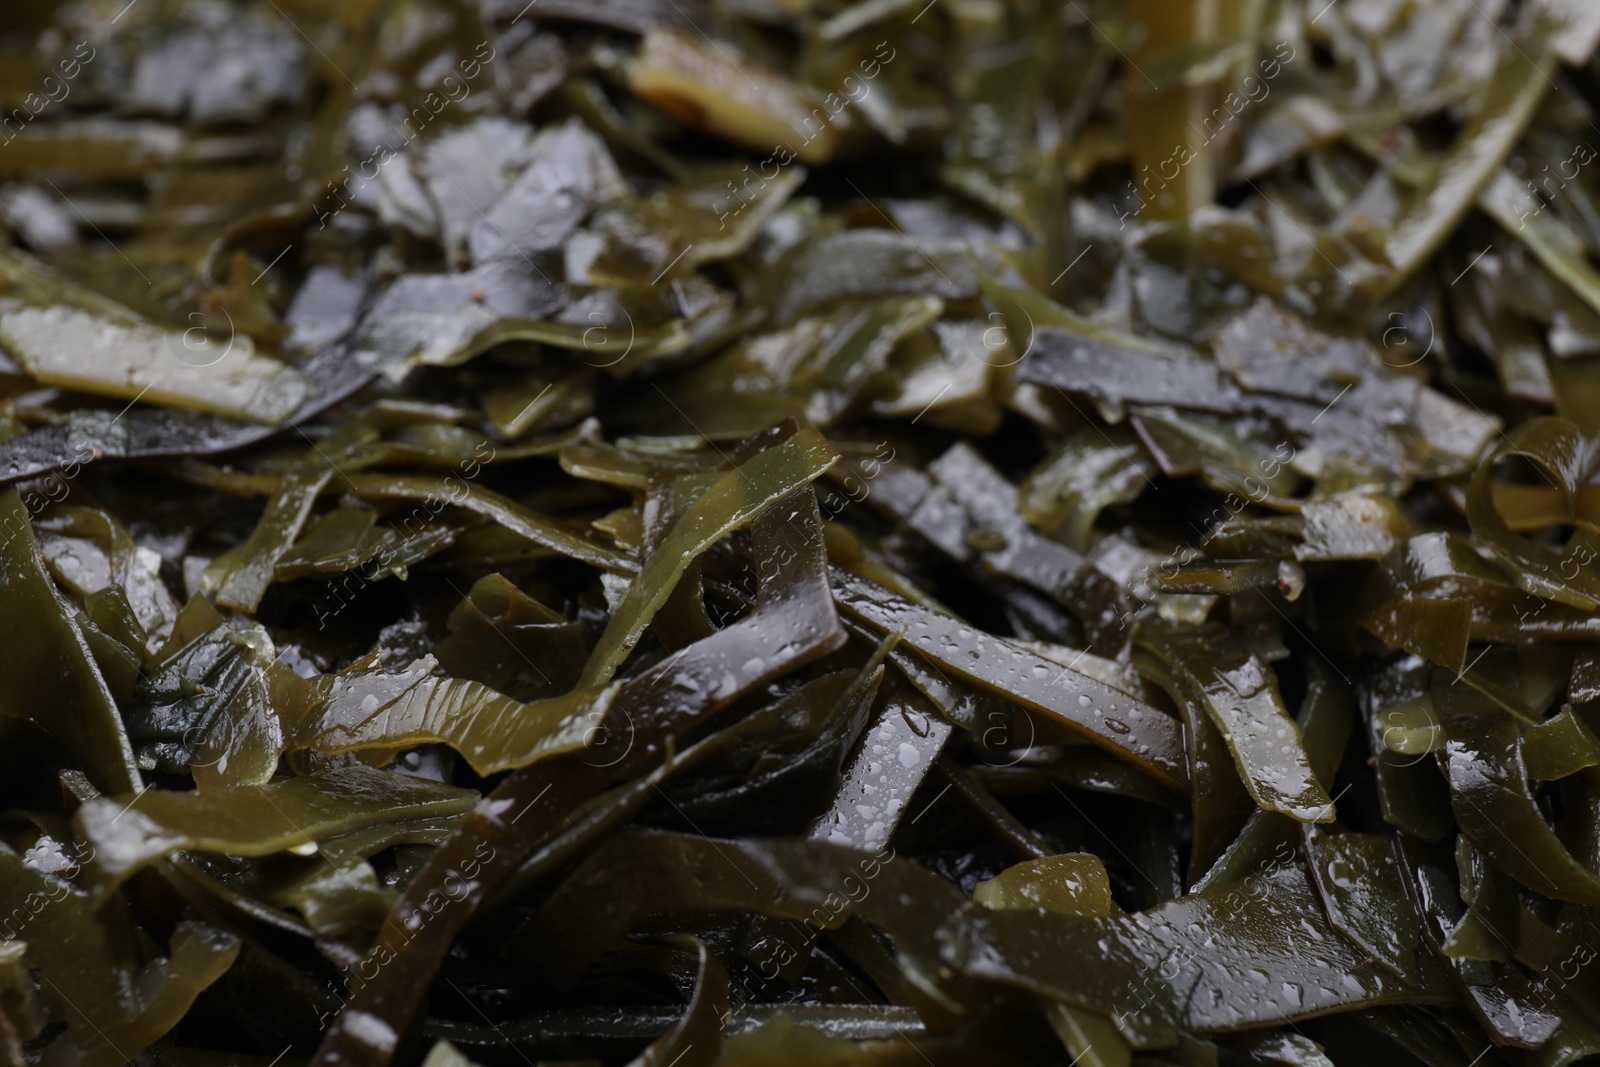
(689, 532)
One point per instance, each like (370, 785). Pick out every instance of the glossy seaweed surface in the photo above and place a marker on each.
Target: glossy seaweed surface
(807, 533)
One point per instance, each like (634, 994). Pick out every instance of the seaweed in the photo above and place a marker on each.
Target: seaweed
(799, 531)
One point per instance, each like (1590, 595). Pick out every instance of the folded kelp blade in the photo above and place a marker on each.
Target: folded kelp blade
(736, 497)
(1516, 1006)
(243, 573)
(1569, 460)
(51, 665)
(1256, 953)
(1240, 693)
(1484, 760)
(1434, 594)
(491, 505)
(703, 1021)
(92, 976)
(367, 708)
(792, 623)
(991, 507)
(215, 709)
(1374, 911)
(1125, 727)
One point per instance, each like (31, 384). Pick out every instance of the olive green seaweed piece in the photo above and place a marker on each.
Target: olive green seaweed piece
(128, 833)
(736, 497)
(1122, 725)
(814, 883)
(244, 572)
(1434, 594)
(444, 1054)
(49, 663)
(114, 999)
(435, 493)
(1495, 807)
(50, 325)
(1240, 693)
(792, 624)
(1092, 1039)
(1569, 459)
(495, 614)
(697, 1038)
(1508, 203)
(1222, 809)
(216, 709)
(697, 81)
(1073, 883)
(1360, 882)
(1067, 492)
(1519, 83)
(1326, 718)
(1560, 746)
(761, 533)
(372, 709)
(1256, 953)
